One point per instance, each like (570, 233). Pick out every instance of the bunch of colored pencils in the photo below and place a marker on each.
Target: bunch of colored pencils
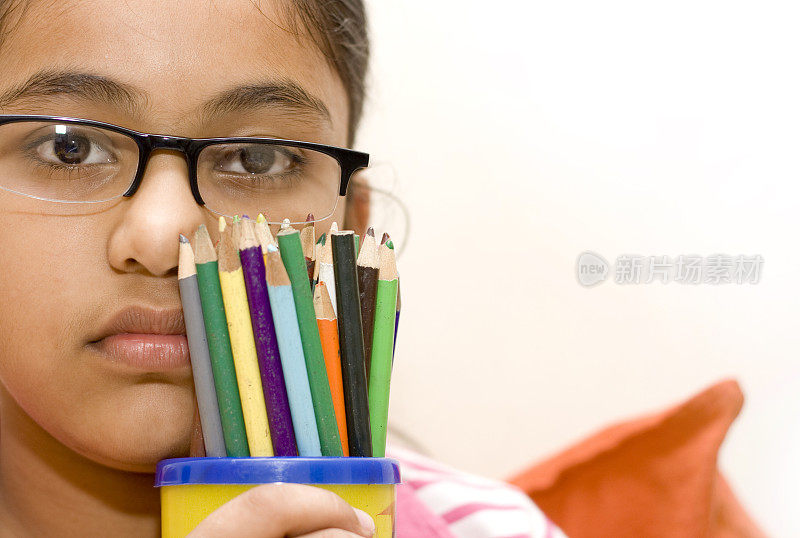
(291, 339)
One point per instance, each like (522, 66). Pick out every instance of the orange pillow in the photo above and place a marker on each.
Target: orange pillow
(653, 476)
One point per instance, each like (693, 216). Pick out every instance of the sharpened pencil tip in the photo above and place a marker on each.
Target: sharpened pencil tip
(390, 244)
(261, 218)
(272, 247)
(286, 224)
(371, 231)
(182, 238)
(310, 217)
(385, 238)
(222, 224)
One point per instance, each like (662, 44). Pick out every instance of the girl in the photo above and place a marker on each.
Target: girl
(96, 384)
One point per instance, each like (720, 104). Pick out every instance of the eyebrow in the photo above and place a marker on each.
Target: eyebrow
(77, 85)
(98, 88)
(284, 93)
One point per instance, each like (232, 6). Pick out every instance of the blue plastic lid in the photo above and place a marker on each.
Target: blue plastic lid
(180, 471)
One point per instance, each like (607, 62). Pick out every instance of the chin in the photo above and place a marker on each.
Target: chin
(138, 428)
(141, 452)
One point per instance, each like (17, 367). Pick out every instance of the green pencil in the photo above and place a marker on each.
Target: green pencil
(294, 261)
(219, 346)
(382, 344)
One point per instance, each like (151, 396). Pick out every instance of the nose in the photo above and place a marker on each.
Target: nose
(145, 238)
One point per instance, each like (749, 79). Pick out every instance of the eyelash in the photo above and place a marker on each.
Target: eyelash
(292, 175)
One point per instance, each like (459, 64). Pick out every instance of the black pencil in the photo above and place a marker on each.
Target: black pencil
(351, 344)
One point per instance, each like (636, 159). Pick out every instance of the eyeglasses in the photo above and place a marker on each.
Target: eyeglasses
(75, 161)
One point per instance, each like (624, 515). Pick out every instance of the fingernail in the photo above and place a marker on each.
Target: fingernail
(367, 525)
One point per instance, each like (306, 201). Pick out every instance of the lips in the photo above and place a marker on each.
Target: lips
(147, 339)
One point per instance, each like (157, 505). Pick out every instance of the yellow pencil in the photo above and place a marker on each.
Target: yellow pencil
(243, 345)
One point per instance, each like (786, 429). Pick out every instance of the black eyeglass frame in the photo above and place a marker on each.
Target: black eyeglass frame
(349, 160)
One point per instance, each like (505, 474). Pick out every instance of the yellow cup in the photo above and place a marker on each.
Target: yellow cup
(192, 488)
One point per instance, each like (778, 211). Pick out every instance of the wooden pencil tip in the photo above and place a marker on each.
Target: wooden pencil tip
(186, 258)
(387, 269)
(308, 237)
(203, 245)
(323, 307)
(334, 227)
(368, 253)
(371, 231)
(287, 229)
(247, 235)
(222, 224)
(236, 219)
(310, 217)
(390, 244)
(228, 251)
(385, 238)
(263, 234)
(261, 218)
(276, 272)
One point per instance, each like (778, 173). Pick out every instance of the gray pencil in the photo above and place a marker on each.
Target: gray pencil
(198, 351)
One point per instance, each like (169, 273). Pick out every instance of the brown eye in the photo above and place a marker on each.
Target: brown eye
(257, 160)
(72, 147)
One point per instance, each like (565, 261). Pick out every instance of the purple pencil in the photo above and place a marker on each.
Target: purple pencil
(269, 361)
(396, 320)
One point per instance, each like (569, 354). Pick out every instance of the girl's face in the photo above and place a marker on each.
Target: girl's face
(67, 275)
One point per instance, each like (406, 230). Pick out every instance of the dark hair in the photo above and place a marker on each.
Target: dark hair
(337, 27)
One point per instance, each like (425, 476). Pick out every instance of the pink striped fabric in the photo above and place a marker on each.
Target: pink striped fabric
(437, 501)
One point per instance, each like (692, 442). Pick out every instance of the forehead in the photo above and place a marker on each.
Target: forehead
(180, 52)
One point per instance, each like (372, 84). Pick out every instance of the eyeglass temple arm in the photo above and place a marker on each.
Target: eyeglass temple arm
(355, 162)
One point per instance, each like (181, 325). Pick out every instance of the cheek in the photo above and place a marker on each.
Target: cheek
(54, 276)
(37, 288)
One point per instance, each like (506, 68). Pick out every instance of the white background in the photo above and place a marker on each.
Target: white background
(524, 133)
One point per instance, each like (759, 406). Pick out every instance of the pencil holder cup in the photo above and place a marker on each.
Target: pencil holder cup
(192, 488)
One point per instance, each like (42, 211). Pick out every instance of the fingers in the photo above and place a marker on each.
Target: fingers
(279, 510)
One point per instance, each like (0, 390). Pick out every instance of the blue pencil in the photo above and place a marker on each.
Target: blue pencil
(295, 373)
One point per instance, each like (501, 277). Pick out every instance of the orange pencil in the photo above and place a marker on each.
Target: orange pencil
(329, 335)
